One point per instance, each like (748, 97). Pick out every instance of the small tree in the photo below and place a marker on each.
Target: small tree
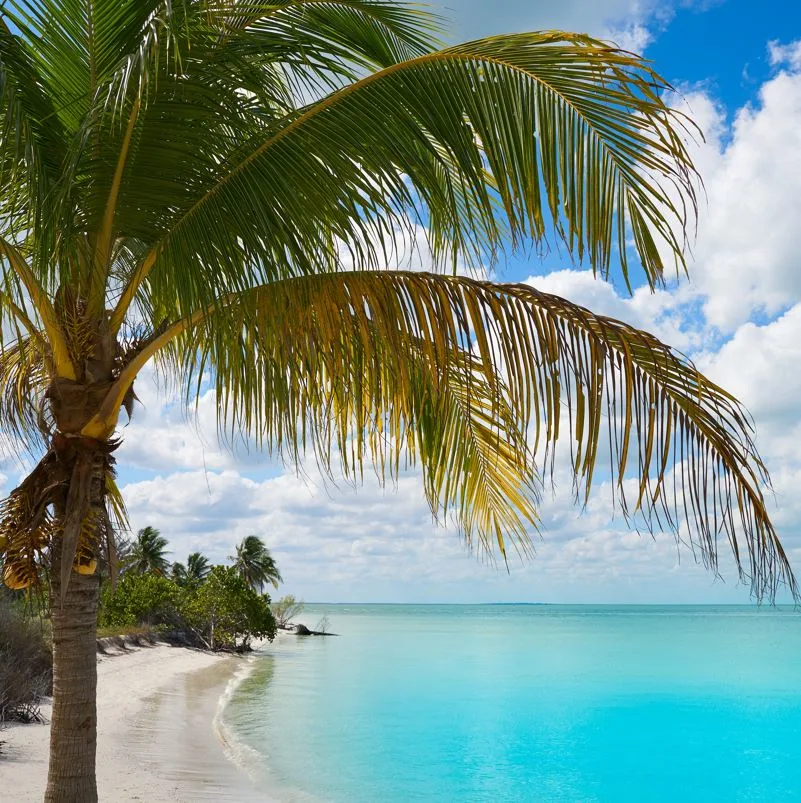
(286, 609)
(225, 610)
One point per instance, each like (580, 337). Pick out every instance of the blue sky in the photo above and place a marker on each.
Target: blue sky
(738, 66)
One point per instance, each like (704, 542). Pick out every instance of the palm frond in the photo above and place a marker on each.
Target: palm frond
(474, 453)
(26, 531)
(531, 133)
(31, 132)
(25, 370)
(322, 42)
(77, 45)
(457, 374)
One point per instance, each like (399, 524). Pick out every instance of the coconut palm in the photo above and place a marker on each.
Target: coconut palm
(194, 572)
(255, 564)
(148, 553)
(223, 188)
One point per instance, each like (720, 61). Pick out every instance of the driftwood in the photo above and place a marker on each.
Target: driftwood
(302, 630)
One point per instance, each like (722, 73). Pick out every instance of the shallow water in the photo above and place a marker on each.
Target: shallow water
(528, 703)
(174, 735)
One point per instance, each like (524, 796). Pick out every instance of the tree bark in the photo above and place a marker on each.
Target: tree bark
(73, 729)
(71, 774)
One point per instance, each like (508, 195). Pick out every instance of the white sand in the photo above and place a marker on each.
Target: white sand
(156, 739)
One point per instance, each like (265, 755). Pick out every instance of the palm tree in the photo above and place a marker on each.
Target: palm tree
(219, 188)
(148, 553)
(197, 567)
(178, 573)
(255, 564)
(194, 572)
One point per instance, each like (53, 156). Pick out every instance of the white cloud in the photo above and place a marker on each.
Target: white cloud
(634, 37)
(162, 435)
(662, 313)
(381, 544)
(746, 255)
(761, 365)
(785, 55)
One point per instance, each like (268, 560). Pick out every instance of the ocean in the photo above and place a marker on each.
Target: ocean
(526, 703)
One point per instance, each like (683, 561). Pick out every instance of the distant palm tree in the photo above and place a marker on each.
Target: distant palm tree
(194, 573)
(255, 564)
(178, 573)
(197, 567)
(149, 552)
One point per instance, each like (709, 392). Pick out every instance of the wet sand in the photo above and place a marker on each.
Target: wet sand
(156, 732)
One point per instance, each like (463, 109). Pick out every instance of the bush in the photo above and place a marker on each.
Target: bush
(286, 609)
(225, 609)
(141, 599)
(26, 663)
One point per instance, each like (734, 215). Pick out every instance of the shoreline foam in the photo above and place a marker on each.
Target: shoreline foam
(236, 751)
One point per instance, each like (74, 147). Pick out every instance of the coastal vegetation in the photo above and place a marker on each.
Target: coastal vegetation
(227, 189)
(285, 610)
(214, 607)
(222, 612)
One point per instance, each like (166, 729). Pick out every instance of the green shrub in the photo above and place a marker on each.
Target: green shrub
(141, 599)
(225, 612)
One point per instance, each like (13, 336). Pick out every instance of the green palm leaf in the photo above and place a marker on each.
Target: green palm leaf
(255, 564)
(148, 553)
(23, 382)
(581, 145)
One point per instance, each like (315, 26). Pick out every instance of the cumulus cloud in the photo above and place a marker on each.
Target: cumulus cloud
(667, 314)
(746, 255)
(379, 543)
(635, 37)
(761, 365)
(785, 54)
(743, 262)
(165, 434)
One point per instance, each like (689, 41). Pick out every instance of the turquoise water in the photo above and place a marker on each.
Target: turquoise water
(529, 703)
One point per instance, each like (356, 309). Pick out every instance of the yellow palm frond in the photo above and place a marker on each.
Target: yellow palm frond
(25, 370)
(455, 372)
(26, 529)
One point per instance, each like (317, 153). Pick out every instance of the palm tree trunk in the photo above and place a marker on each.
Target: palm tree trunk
(71, 775)
(73, 729)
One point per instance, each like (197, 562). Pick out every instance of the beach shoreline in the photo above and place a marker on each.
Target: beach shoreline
(158, 707)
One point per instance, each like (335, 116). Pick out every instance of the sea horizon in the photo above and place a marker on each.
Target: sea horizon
(749, 605)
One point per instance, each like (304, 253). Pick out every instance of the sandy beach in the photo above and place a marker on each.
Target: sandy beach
(156, 733)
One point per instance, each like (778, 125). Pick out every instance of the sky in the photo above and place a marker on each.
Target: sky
(736, 66)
